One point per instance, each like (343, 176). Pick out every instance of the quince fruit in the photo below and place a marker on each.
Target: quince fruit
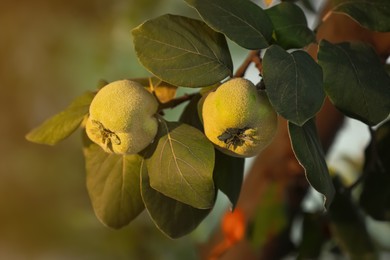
(122, 118)
(238, 118)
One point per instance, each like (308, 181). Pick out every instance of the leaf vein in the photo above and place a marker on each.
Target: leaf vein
(177, 47)
(360, 85)
(242, 20)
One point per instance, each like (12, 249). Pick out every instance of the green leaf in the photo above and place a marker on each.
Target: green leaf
(242, 21)
(182, 51)
(348, 226)
(372, 14)
(293, 83)
(228, 171)
(173, 218)
(228, 175)
(290, 26)
(313, 236)
(182, 163)
(355, 80)
(308, 150)
(190, 113)
(113, 183)
(375, 195)
(63, 124)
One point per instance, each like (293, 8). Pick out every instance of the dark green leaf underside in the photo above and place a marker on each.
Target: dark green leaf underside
(375, 196)
(228, 175)
(313, 236)
(372, 14)
(308, 150)
(355, 80)
(190, 113)
(348, 226)
(182, 51)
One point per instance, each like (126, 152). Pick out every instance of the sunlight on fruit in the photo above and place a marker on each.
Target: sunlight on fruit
(121, 118)
(238, 118)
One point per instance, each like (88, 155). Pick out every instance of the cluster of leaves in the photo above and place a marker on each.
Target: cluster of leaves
(177, 177)
(345, 221)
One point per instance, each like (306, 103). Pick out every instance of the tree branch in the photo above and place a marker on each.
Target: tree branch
(175, 102)
(277, 164)
(253, 56)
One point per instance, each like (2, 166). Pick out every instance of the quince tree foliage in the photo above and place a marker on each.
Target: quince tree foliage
(136, 160)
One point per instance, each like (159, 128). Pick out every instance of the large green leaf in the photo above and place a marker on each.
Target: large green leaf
(173, 218)
(243, 22)
(293, 83)
(113, 183)
(372, 14)
(63, 124)
(290, 26)
(355, 80)
(348, 226)
(308, 150)
(182, 51)
(228, 175)
(375, 196)
(181, 165)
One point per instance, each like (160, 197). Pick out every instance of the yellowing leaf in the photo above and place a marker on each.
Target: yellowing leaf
(63, 124)
(268, 2)
(163, 90)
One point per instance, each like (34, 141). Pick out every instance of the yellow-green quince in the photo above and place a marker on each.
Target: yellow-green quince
(122, 118)
(238, 118)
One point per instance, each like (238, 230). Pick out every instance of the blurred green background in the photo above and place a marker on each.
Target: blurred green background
(52, 51)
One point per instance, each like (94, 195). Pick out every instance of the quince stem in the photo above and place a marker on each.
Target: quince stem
(175, 102)
(253, 56)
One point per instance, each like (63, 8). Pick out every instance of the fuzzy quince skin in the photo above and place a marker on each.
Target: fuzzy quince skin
(122, 118)
(238, 118)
